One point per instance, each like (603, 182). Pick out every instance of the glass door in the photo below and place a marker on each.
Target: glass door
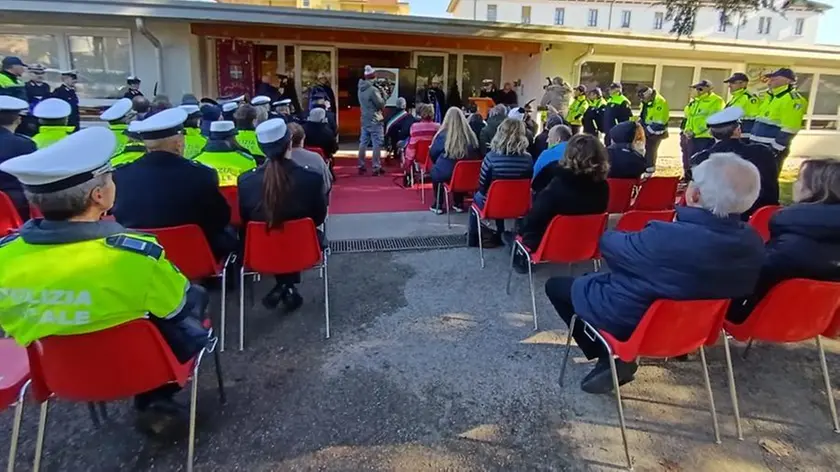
(431, 67)
(315, 74)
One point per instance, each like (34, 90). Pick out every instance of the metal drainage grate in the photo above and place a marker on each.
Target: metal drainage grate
(411, 243)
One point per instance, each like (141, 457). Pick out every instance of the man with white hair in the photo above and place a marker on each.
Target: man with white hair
(706, 253)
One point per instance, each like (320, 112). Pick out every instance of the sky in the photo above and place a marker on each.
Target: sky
(827, 34)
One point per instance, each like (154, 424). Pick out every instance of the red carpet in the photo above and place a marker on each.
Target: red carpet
(354, 193)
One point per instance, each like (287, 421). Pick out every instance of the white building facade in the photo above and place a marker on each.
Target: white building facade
(797, 25)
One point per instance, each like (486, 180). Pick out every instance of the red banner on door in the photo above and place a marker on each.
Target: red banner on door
(235, 67)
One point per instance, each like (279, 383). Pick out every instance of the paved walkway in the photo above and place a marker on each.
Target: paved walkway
(432, 367)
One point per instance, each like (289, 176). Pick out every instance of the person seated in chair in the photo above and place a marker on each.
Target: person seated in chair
(804, 237)
(308, 159)
(110, 275)
(319, 134)
(548, 161)
(578, 187)
(707, 253)
(280, 191)
(454, 141)
(398, 129)
(422, 130)
(627, 151)
(507, 159)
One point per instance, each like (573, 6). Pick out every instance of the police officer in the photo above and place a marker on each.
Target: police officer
(118, 116)
(578, 108)
(745, 100)
(224, 155)
(593, 117)
(262, 102)
(52, 115)
(228, 109)
(11, 71)
(111, 275)
(133, 83)
(245, 120)
(616, 111)
(67, 92)
(163, 189)
(134, 149)
(194, 142)
(697, 135)
(780, 114)
(36, 90)
(283, 109)
(725, 127)
(13, 145)
(654, 119)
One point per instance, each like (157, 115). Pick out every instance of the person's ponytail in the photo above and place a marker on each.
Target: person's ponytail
(275, 188)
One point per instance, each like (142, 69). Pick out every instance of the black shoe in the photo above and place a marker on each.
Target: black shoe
(273, 298)
(164, 419)
(291, 299)
(362, 171)
(472, 240)
(520, 264)
(602, 365)
(600, 379)
(377, 172)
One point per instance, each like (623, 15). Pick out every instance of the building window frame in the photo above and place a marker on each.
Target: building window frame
(492, 7)
(559, 16)
(765, 24)
(799, 27)
(62, 34)
(658, 20)
(525, 15)
(626, 17)
(592, 18)
(723, 24)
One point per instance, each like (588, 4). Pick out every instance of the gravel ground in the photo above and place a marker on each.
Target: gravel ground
(432, 367)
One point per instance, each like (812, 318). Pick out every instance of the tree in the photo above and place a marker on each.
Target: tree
(683, 13)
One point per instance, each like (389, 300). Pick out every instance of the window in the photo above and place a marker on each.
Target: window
(723, 22)
(593, 17)
(634, 77)
(305, 3)
(475, 70)
(764, 25)
(716, 77)
(526, 15)
(676, 85)
(658, 20)
(559, 16)
(597, 74)
(102, 62)
(492, 11)
(827, 101)
(799, 29)
(625, 18)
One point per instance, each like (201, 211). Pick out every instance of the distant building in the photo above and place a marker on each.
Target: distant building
(394, 7)
(797, 25)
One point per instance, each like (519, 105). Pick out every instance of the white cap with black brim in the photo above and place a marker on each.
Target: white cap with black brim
(273, 137)
(160, 125)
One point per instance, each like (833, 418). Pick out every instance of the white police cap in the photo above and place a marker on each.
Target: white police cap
(160, 125)
(260, 100)
(284, 102)
(272, 136)
(517, 114)
(229, 107)
(725, 117)
(190, 109)
(72, 161)
(222, 126)
(240, 98)
(117, 111)
(52, 109)
(8, 103)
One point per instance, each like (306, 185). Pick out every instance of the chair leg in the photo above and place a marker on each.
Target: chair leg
(39, 440)
(449, 206)
(831, 406)
(733, 393)
(480, 245)
(568, 348)
(533, 295)
(711, 395)
(217, 361)
(326, 297)
(510, 269)
(242, 289)
(193, 403)
(224, 307)
(620, 410)
(747, 349)
(13, 443)
(103, 410)
(94, 417)
(422, 187)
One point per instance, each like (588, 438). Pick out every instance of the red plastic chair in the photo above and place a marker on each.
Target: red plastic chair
(621, 192)
(567, 239)
(110, 365)
(293, 247)
(35, 212)
(506, 199)
(9, 218)
(317, 150)
(231, 194)
(760, 220)
(668, 329)
(464, 180)
(187, 248)
(637, 220)
(656, 193)
(423, 163)
(793, 311)
(14, 380)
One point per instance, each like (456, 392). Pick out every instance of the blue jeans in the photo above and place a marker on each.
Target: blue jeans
(472, 232)
(373, 135)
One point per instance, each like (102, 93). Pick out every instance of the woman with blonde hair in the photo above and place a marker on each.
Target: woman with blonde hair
(423, 130)
(507, 159)
(453, 142)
